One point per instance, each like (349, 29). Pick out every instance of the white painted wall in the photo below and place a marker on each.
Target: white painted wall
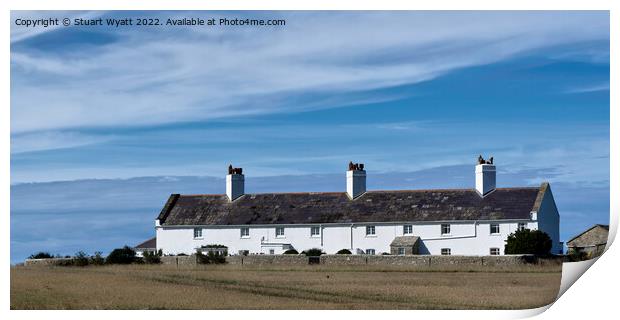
(465, 238)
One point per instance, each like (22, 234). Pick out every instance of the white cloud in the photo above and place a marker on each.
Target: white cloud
(205, 73)
(39, 141)
(589, 88)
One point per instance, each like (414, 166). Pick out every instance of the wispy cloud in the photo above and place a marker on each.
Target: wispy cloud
(41, 141)
(589, 88)
(196, 74)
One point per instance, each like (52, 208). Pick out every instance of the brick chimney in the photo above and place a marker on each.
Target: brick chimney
(485, 176)
(235, 183)
(356, 180)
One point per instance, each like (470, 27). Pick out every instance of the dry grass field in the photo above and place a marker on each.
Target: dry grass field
(302, 287)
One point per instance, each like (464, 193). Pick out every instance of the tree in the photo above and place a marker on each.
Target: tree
(528, 242)
(291, 251)
(40, 255)
(344, 251)
(124, 255)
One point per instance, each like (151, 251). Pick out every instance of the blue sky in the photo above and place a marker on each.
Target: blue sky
(414, 95)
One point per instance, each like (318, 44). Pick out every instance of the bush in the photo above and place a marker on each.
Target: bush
(97, 259)
(344, 251)
(528, 242)
(124, 255)
(210, 258)
(41, 255)
(291, 251)
(81, 259)
(152, 257)
(314, 252)
(575, 256)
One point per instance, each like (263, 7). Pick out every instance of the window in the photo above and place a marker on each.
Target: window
(245, 232)
(279, 232)
(494, 251)
(315, 231)
(494, 228)
(445, 229)
(446, 251)
(370, 230)
(401, 251)
(271, 251)
(370, 251)
(407, 229)
(197, 233)
(521, 226)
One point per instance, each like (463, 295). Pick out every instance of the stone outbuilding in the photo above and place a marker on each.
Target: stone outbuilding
(592, 242)
(405, 245)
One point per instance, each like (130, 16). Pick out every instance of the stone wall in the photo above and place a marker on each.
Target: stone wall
(438, 262)
(179, 260)
(285, 259)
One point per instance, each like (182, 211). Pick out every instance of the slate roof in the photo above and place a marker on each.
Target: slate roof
(404, 241)
(595, 235)
(337, 207)
(148, 244)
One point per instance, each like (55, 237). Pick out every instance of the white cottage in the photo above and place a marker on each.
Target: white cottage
(446, 221)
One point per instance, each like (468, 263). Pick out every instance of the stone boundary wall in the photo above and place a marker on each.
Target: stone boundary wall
(46, 262)
(417, 261)
(268, 259)
(179, 260)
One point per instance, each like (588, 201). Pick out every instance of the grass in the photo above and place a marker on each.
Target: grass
(299, 287)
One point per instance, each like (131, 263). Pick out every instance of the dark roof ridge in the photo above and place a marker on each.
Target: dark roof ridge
(369, 191)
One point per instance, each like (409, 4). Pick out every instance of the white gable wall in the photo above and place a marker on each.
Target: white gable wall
(549, 220)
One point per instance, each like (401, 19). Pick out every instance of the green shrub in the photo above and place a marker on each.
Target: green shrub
(80, 259)
(575, 256)
(124, 255)
(528, 242)
(41, 255)
(97, 259)
(210, 258)
(344, 251)
(314, 252)
(291, 251)
(152, 257)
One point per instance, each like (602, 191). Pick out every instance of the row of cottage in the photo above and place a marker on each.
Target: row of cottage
(473, 221)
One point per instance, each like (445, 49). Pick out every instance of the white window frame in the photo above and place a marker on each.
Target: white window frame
(410, 229)
(403, 249)
(447, 227)
(317, 234)
(373, 233)
(494, 225)
(491, 250)
(446, 251)
(243, 234)
(370, 252)
(521, 226)
(280, 232)
(197, 233)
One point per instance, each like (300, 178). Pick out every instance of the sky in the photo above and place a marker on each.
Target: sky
(108, 121)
